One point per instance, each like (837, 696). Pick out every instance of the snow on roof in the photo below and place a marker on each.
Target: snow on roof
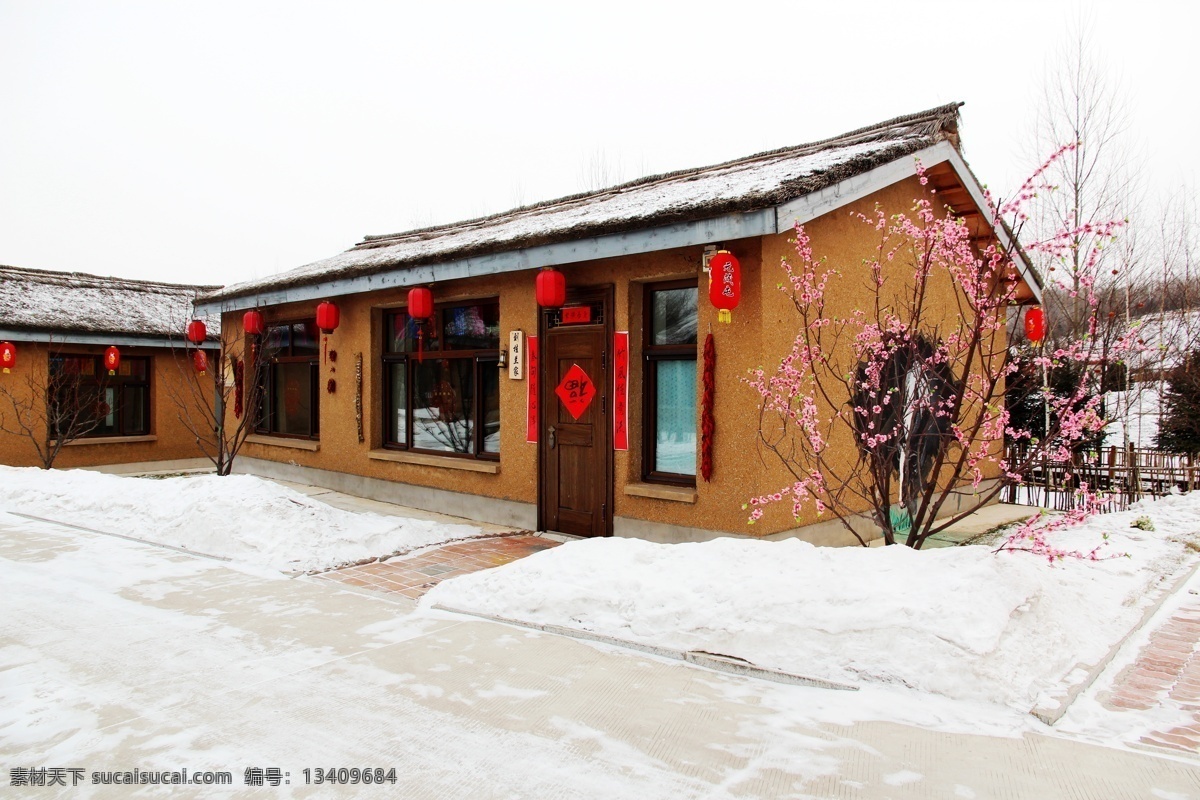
(755, 182)
(75, 302)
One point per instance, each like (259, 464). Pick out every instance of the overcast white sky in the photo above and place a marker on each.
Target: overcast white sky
(217, 141)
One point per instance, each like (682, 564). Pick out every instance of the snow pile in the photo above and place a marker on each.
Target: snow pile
(239, 517)
(961, 622)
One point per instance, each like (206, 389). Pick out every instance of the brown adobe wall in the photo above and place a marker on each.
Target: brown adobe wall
(171, 440)
(360, 331)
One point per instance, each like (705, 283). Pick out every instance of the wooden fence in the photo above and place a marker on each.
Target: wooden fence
(1123, 475)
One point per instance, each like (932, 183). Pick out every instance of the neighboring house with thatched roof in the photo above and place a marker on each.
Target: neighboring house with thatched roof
(592, 428)
(61, 324)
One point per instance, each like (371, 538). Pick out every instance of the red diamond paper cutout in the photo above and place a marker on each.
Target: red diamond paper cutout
(576, 391)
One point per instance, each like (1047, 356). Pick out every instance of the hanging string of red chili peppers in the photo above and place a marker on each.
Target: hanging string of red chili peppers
(707, 424)
(238, 382)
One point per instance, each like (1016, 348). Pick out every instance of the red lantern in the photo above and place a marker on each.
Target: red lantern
(1035, 325)
(724, 284)
(196, 332)
(200, 359)
(328, 317)
(112, 359)
(252, 322)
(420, 303)
(8, 356)
(420, 308)
(551, 288)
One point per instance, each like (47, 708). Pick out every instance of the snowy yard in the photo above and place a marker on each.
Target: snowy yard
(964, 623)
(238, 517)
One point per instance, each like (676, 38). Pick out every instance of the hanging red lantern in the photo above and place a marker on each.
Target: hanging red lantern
(112, 359)
(8, 356)
(1035, 325)
(200, 359)
(196, 331)
(551, 288)
(252, 322)
(328, 317)
(724, 284)
(420, 308)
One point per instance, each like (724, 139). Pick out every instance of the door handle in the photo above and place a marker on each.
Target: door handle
(553, 440)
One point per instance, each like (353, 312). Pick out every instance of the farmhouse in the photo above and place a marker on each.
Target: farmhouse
(62, 331)
(436, 379)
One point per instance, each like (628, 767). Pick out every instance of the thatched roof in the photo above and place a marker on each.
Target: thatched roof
(746, 184)
(46, 302)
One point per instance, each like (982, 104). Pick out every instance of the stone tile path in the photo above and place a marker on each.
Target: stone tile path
(1166, 673)
(413, 576)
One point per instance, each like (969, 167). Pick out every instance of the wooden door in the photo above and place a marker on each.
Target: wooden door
(575, 490)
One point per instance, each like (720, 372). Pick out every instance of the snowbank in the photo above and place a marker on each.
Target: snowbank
(239, 517)
(961, 622)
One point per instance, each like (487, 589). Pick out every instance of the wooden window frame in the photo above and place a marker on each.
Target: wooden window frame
(102, 380)
(483, 360)
(651, 355)
(267, 392)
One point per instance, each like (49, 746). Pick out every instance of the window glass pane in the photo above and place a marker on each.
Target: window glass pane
(674, 317)
(675, 409)
(106, 410)
(292, 407)
(472, 327)
(400, 333)
(279, 339)
(304, 339)
(490, 393)
(135, 368)
(398, 413)
(443, 400)
(133, 411)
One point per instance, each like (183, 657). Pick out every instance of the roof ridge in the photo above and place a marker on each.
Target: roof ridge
(109, 279)
(946, 117)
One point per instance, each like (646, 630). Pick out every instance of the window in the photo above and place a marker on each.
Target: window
(669, 410)
(289, 400)
(447, 400)
(108, 405)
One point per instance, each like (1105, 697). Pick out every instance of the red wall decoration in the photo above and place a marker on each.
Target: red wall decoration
(707, 422)
(532, 415)
(621, 390)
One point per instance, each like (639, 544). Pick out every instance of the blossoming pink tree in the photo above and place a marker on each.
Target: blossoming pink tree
(895, 413)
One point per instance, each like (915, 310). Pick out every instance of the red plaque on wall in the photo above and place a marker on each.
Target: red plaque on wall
(576, 315)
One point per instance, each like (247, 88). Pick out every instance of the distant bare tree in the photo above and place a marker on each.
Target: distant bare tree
(54, 407)
(221, 407)
(599, 170)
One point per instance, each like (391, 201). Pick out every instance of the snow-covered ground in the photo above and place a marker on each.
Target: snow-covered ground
(965, 623)
(239, 517)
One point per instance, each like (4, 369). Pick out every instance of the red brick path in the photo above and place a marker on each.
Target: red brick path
(414, 576)
(1167, 672)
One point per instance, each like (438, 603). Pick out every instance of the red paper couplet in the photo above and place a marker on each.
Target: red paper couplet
(576, 391)
(621, 390)
(576, 315)
(534, 367)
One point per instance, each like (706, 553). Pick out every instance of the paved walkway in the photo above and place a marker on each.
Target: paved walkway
(116, 655)
(1166, 674)
(413, 576)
